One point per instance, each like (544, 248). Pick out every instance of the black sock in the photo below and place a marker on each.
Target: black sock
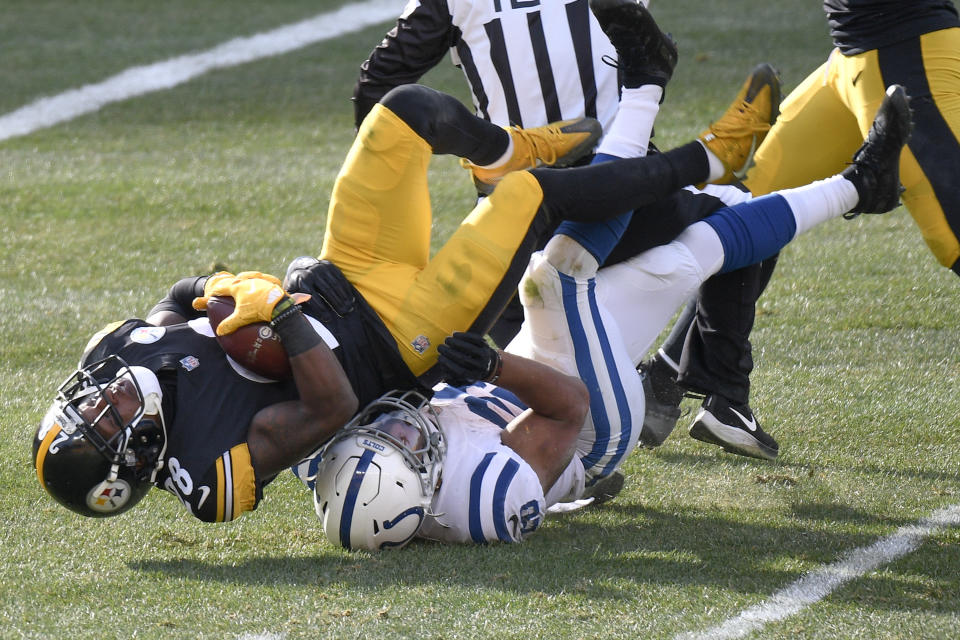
(446, 124)
(601, 191)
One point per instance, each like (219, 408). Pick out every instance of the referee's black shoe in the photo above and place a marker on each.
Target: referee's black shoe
(875, 171)
(645, 55)
(733, 427)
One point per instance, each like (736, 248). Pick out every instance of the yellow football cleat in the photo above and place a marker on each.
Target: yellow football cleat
(556, 144)
(736, 135)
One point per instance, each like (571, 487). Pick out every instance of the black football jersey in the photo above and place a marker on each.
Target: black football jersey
(209, 402)
(862, 25)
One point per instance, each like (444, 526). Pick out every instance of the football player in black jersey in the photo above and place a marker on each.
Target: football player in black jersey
(914, 43)
(156, 402)
(508, 54)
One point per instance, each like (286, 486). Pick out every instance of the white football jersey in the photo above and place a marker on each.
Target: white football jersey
(488, 493)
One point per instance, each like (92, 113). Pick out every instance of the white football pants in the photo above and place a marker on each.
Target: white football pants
(599, 328)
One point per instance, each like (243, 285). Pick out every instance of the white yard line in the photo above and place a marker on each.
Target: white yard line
(137, 81)
(819, 584)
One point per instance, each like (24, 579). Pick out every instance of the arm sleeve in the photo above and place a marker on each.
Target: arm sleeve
(180, 297)
(228, 489)
(423, 35)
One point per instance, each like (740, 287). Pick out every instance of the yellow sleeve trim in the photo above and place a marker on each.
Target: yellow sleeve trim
(244, 480)
(100, 335)
(222, 490)
(236, 483)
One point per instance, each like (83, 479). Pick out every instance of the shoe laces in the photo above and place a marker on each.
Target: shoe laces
(610, 61)
(541, 143)
(742, 119)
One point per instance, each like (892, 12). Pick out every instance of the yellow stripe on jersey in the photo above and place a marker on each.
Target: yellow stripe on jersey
(100, 335)
(236, 484)
(244, 480)
(220, 490)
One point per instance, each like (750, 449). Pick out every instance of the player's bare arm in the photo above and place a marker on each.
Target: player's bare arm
(545, 435)
(282, 434)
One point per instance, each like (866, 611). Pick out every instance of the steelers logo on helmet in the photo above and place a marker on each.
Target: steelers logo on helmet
(103, 440)
(108, 496)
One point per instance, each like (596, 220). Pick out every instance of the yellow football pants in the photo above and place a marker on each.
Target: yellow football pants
(378, 234)
(825, 119)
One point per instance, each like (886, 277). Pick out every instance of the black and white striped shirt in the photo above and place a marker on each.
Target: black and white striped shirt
(527, 62)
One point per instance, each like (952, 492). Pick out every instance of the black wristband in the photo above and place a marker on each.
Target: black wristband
(295, 331)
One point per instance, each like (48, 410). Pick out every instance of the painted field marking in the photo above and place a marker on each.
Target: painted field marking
(818, 584)
(137, 81)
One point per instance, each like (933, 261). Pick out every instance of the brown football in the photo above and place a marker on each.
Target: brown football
(256, 346)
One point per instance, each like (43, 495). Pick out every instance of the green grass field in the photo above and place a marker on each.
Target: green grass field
(856, 350)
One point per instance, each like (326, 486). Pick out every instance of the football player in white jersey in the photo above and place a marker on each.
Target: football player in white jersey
(527, 63)
(485, 458)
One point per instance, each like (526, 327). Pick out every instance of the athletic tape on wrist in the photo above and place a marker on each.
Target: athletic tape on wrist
(498, 369)
(295, 331)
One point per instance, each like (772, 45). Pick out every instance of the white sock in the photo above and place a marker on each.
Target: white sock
(820, 201)
(629, 135)
(716, 165)
(704, 245)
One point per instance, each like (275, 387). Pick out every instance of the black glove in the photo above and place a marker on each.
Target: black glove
(466, 358)
(323, 280)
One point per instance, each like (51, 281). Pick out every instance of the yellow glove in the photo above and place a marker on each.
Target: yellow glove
(255, 300)
(221, 284)
(249, 275)
(216, 282)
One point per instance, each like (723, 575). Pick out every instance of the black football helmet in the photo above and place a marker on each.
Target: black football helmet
(85, 471)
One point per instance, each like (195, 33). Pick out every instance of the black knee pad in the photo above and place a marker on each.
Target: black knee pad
(419, 106)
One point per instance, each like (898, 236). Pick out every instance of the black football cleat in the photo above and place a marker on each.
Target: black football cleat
(606, 489)
(662, 396)
(875, 171)
(733, 427)
(645, 54)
